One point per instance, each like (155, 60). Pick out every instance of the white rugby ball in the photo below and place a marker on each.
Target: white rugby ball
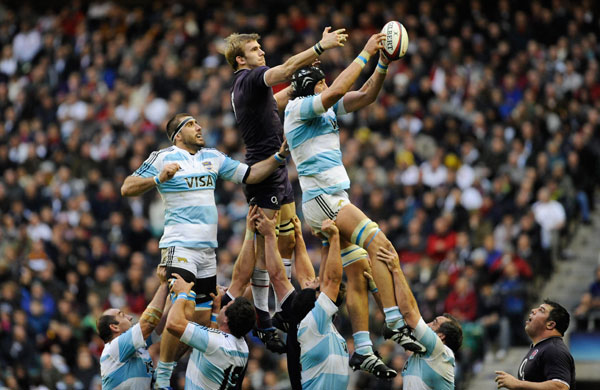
(396, 40)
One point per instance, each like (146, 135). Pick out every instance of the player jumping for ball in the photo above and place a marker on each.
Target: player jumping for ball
(312, 133)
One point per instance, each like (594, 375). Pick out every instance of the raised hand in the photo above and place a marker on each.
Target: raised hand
(178, 285)
(266, 225)
(168, 172)
(251, 218)
(329, 227)
(333, 39)
(374, 43)
(161, 272)
(389, 258)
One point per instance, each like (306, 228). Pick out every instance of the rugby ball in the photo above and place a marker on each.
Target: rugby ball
(396, 40)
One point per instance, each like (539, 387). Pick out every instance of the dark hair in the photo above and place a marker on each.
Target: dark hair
(303, 303)
(452, 332)
(304, 81)
(240, 317)
(103, 325)
(559, 315)
(173, 123)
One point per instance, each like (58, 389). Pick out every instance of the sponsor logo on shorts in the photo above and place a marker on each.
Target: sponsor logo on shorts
(182, 259)
(274, 200)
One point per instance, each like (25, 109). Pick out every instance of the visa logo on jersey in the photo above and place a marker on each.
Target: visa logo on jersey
(200, 181)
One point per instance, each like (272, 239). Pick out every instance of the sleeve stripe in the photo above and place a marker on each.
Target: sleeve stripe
(561, 381)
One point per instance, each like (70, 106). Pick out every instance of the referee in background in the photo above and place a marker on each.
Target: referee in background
(548, 364)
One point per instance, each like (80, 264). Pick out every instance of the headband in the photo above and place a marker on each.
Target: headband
(180, 126)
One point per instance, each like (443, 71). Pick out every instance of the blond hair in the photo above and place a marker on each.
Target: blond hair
(234, 46)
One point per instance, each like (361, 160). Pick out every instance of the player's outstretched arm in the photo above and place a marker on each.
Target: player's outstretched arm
(136, 185)
(262, 169)
(355, 100)
(244, 265)
(151, 317)
(332, 276)
(176, 321)
(344, 81)
(404, 296)
(284, 72)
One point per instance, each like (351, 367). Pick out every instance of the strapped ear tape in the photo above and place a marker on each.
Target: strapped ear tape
(305, 79)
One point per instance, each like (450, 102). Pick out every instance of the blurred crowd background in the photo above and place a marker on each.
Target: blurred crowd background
(479, 160)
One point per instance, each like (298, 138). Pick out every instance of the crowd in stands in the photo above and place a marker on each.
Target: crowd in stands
(477, 160)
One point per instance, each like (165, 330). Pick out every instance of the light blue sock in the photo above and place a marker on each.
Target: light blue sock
(163, 374)
(393, 318)
(362, 343)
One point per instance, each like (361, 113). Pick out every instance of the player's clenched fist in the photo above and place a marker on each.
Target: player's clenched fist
(329, 227)
(168, 172)
(333, 39)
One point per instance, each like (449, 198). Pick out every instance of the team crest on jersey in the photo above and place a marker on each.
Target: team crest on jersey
(207, 165)
(535, 351)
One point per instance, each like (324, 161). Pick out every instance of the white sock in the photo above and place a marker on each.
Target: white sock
(287, 264)
(260, 289)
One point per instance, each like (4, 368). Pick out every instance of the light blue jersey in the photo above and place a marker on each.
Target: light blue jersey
(218, 360)
(313, 137)
(125, 362)
(323, 351)
(433, 370)
(190, 211)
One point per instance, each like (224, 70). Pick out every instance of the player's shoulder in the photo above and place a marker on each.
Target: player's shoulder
(207, 153)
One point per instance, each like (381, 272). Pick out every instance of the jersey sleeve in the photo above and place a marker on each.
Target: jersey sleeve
(557, 365)
(232, 170)
(256, 78)
(127, 343)
(433, 344)
(339, 108)
(151, 167)
(323, 312)
(309, 107)
(152, 339)
(202, 338)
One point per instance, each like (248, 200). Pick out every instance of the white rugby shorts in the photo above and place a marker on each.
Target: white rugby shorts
(202, 262)
(323, 207)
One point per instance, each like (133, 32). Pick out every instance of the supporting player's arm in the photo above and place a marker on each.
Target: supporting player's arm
(151, 317)
(404, 296)
(284, 72)
(282, 98)
(176, 320)
(355, 100)
(332, 275)
(244, 265)
(305, 272)
(262, 169)
(279, 280)
(510, 382)
(344, 81)
(137, 185)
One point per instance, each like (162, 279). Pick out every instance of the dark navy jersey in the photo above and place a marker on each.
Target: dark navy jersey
(548, 360)
(256, 114)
